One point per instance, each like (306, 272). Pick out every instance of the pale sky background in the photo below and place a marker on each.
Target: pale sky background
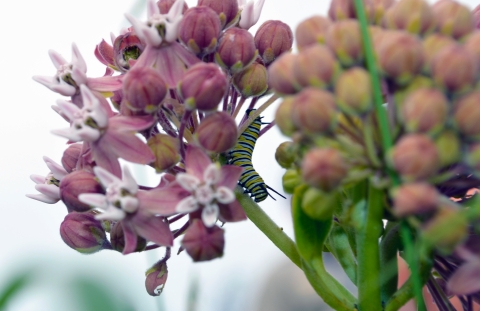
(29, 229)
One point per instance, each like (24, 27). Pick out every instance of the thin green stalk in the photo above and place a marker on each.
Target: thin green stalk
(370, 144)
(388, 260)
(338, 244)
(368, 276)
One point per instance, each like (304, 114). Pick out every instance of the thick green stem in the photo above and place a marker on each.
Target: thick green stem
(368, 253)
(388, 260)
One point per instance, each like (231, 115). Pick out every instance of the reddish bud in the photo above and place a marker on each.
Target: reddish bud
(353, 91)
(280, 75)
(316, 66)
(433, 44)
(345, 40)
(70, 157)
(341, 9)
(314, 111)
(81, 232)
(203, 87)
(453, 18)
(376, 9)
(311, 31)
(272, 39)
(165, 5)
(236, 50)
(283, 116)
(76, 183)
(166, 150)
(467, 115)
(227, 10)
(217, 132)
(117, 238)
(476, 16)
(200, 29)
(414, 16)
(324, 168)
(143, 89)
(415, 157)
(472, 45)
(126, 47)
(415, 198)
(203, 243)
(156, 277)
(253, 81)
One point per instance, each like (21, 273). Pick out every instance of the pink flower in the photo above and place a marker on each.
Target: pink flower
(48, 186)
(250, 12)
(110, 137)
(211, 188)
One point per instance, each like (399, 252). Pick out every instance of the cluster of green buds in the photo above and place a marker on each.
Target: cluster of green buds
(425, 69)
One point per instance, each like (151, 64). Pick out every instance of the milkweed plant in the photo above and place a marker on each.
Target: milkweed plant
(381, 108)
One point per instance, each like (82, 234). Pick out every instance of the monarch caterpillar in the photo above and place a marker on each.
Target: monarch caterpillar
(241, 155)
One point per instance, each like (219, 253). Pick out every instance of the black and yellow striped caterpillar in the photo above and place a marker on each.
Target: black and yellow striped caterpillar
(241, 155)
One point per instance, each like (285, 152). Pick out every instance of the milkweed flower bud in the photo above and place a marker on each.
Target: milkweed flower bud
(466, 114)
(316, 66)
(418, 82)
(453, 18)
(218, 132)
(449, 147)
(280, 75)
(425, 110)
(143, 89)
(473, 158)
(166, 150)
(476, 16)
(472, 45)
(353, 91)
(236, 50)
(414, 198)
(272, 39)
(70, 157)
(311, 31)
(199, 30)
(341, 9)
(400, 56)
(253, 81)
(314, 111)
(318, 204)
(454, 69)
(117, 238)
(376, 9)
(283, 116)
(324, 168)
(125, 48)
(345, 40)
(432, 44)
(414, 16)
(165, 5)
(290, 180)
(156, 277)
(415, 157)
(227, 10)
(76, 183)
(285, 154)
(203, 243)
(203, 87)
(83, 233)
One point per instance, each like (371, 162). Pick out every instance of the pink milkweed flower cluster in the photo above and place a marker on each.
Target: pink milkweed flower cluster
(172, 89)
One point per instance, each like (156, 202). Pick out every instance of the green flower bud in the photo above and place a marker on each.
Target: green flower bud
(432, 44)
(324, 168)
(345, 40)
(424, 110)
(217, 132)
(448, 146)
(414, 16)
(473, 158)
(117, 238)
(320, 205)
(236, 50)
(290, 180)
(353, 91)
(166, 150)
(466, 114)
(272, 39)
(280, 75)
(285, 154)
(414, 198)
(454, 69)
(253, 81)
(312, 31)
(314, 111)
(453, 18)
(316, 66)
(415, 157)
(283, 117)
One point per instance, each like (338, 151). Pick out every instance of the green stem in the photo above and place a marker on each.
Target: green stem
(268, 227)
(368, 251)
(370, 144)
(388, 259)
(338, 244)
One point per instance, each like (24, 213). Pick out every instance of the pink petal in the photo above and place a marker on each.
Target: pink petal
(130, 237)
(170, 66)
(185, 55)
(57, 59)
(105, 84)
(127, 146)
(229, 176)
(152, 228)
(104, 157)
(42, 198)
(162, 201)
(466, 279)
(130, 124)
(232, 212)
(196, 161)
(203, 243)
(104, 53)
(105, 177)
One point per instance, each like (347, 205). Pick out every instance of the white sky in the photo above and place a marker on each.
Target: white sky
(29, 229)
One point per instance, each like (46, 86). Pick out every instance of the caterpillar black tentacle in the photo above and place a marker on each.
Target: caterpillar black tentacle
(241, 155)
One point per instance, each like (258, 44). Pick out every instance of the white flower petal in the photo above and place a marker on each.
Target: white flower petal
(187, 205)
(68, 133)
(129, 204)
(69, 109)
(211, 175)
(89, 134)
(38, 179)
(152, 8)
(77, 59)
(106, 178)
(79, 76)
(94, 199)
(224, 195)
(187, 181)
(57, 170)
(148, 34)
(42, 198)
(129, 182)
(112, 213)
(51, 191)
(57, 59)
(251, 13)
(210, 215)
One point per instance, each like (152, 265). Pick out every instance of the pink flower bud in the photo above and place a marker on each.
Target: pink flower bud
(253, 81)
(272, 39)
(312, 31)
(425, 110)
(200, 29)
(81, 232)
(316, 66)
(143, 89)
(345, 40)
(341, 9)
(415, 157)
(165, 5)
(203, 243)
(227, 10)
(217, 132)
(126, 47)
(414, 16)
(453, 18)
(476, 16)
(353, 91)
(156, 278)
(376, 9)
(285, 154)
(76, 183)
(467, 115)
(324, 168)
(117, 238)
(283, 116)
(454, 68)
(314, 111)
(236, 50)
(472, 45)
(203, 87)
(280, 75)
(433, 44)
(166, 150)
(70, 157)
(415, 198)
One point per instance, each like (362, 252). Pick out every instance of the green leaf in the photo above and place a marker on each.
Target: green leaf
(93, 296)
(15, 285)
